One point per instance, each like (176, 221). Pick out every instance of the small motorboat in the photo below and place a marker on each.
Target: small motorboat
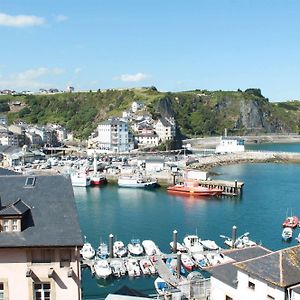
(287, 233)
(242, 241)
(98, 179)
(102, 251)
(193, 243)
(136, 182)
(119, 249)
(209, 245)
(172, 265)
(133, 267)
(214, 258)
(147, 266)
(135, 248)
(150, 248)
(291, 222)
(87, 251)
(187, 262)
(161, 286)
(200, 260)
(179, 247)
(117, 266)
(102, 268)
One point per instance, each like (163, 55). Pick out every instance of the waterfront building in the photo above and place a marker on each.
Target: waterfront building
(112, 136)
(230, 144)
(165, 128)
(257, 273)
(40, 238)
(147, 139)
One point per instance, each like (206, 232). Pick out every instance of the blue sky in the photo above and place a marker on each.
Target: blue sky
(174, 45)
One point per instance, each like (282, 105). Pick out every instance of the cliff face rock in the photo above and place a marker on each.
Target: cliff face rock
(164, 107)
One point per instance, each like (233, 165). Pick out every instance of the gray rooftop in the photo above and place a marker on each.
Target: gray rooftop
(227, 272)
(52, 219)
(280, 268)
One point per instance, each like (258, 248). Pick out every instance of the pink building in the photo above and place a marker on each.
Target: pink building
(40, 238)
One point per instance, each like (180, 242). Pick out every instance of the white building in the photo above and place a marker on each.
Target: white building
(257, 273)
(165, 129)
(230, 144)
(113, 136)
(147, 139)
(8, 138)
(135, 106)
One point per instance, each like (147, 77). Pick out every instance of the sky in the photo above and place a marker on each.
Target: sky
(175, 45)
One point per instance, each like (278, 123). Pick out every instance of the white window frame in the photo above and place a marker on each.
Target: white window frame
(6, 225)
(14, 225)
(42, 290)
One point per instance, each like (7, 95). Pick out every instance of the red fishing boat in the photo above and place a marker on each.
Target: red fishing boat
(191, 187)
(291, 222)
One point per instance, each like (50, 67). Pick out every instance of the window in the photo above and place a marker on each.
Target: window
(251, 285)
(30, 181)
(42, 291)
(228, 298)
(1, 291)
(14, 225)
(5, 225)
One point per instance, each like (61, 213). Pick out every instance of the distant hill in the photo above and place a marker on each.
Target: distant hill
(197, 113)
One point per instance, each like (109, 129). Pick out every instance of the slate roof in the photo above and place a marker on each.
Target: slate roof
(17, 208)
(7, 172)
(227, 272)
(280, 268)
(53, 217)
(165, 122)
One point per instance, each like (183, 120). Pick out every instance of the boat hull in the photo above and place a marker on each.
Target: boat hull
(193, 192)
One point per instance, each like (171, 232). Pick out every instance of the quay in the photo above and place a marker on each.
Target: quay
(230, 188)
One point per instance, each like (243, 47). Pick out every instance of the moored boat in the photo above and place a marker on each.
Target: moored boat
(87, 251)
(287, 233)
(187, 262)
(192, 243)
(147, 266)
(209, 245)
(119, 249)
(136, 182)
(98, 179)
(192, 188)
(102, 268)
(135, 248)
(102, 251)
(150, 248)
(172, 266)
(161, 286)
(179, 247)
(133, 267)
(291, 222)
(200, 260)
(118, 267)
(80, 179)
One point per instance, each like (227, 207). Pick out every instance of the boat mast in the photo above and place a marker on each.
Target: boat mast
(95, 163)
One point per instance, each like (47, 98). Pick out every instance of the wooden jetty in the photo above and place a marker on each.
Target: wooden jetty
(230, 188)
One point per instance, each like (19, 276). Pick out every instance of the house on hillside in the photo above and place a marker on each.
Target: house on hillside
(165, 129)
(40, 238)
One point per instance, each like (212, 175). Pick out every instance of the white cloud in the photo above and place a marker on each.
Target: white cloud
(77, 71)
(20, 20)
(29, 79)
(132, 77)
(61, 18)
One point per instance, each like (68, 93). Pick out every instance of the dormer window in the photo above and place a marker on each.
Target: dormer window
(5, 225)
(15, 225)
(30, 181)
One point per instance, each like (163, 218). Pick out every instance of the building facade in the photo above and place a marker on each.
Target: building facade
(165, 129)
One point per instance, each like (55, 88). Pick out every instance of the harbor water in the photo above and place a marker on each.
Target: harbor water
(270, 190)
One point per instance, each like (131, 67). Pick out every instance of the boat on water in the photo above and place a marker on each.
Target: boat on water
(119, 249)
(133, 267)
(161, 286)
(135, 248)
(102, 268)
(96, 177)
(87, 251)
(187, 261)
(179, 247)
(102, 251)
(80, 179)
(117, 267)
(215, 258)
(287, 233)
(242, 241)
(193, 243)
(200, 260)
(192, 188)
(150, 248)
(172, 266)
(292, 222)
(147, 266)
(136, 182)
(209, 245)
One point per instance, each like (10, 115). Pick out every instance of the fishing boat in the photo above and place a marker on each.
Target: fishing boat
(242, 241)
(287, 233)
(161, 286)
(192, 243)
(179, 247)
(102, 268)
(102, 251)
(96, 177)
(136, 182)
(209, 245)
(119, 249)
(133, 267)
(147, 266)
(291, 222)
(87, 251)
(117, 267)
(192, 187)
(172, 266)
(200, 260)
(80, 179)
(187, 262)
(135, 248)
(151, 248)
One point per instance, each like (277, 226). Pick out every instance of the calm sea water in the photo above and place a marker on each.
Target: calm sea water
(270, 189)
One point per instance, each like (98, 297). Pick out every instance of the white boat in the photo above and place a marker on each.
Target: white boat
(161, 286)
(187, 261)
(215, 258)
(117, 267)
(135, 247)
(147, 266)
(209, 245)
(136, 182)
(179, 247)
(80, 179)
(287, 233)
(151, 248)
(193, 243)
(242, 241)
(87, 251)
(102, 268)
(133, 267)
(102, 251)
(200, 260)
(119, 249)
